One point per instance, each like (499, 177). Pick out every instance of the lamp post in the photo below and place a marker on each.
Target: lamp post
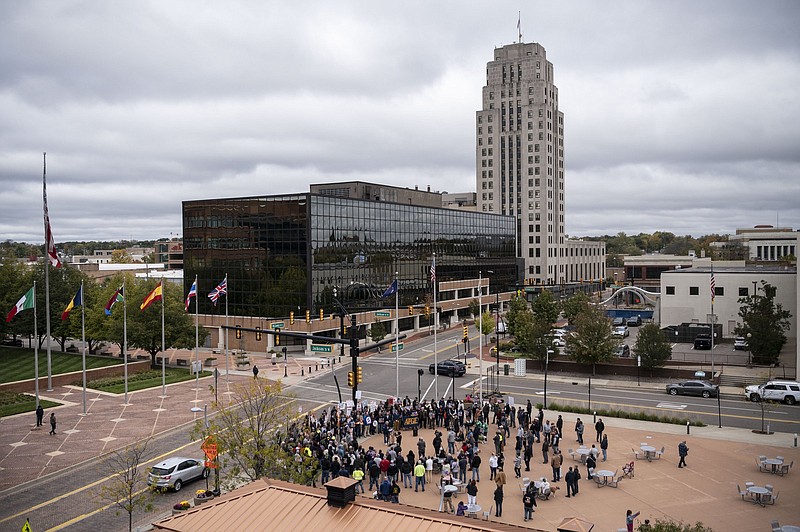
(419, 385)
(480, 338)
(285, 363)
(546, 364)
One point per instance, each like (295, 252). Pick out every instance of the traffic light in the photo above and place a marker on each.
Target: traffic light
(350, 379)
(308, 316)
(278, 338)
(344, 334)
(291, 318)
(427, 311)
(321, 314)
(358, 375)
(258, 334)
(410, 310)
(466, 331)
(238, 332)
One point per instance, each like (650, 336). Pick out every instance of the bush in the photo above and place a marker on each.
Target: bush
(624, 414)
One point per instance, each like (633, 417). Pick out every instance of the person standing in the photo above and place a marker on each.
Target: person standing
(545, 451)
(528, 502)
(579, 430)
(560, 424)
(604, 446)
(570, 479)
(500, 477)
(476, 467)
(555, 463)
(472, 492)
(255, 371)
(518, 465)
(419, 476)
(599, 427)
(492, 466)
(52, 422)
(498, 501)
(629, 517)
(591, 464)
(683, 450)
(39, 416)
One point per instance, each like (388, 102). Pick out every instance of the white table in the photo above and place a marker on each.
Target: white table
(649, 452)
(473, 510)
(790, 528)
(606, 475)
(583, 452)
(757, 492)
(775, 463)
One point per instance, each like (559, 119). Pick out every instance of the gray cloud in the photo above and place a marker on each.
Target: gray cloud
(679, 116)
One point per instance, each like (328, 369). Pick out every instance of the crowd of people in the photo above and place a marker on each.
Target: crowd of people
(333, 438)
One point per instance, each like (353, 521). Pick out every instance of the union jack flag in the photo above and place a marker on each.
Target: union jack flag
(220, 290)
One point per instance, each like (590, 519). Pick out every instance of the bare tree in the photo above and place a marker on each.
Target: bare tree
(127, 486)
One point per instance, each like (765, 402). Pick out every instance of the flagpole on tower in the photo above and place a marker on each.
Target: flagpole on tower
(519, 26)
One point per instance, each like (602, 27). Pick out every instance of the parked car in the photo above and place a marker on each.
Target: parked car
(14, 342)
(699, 388)
(623, 351)
(740, 344)
(174, 472)
(702, 341)
(785, 391)
(633, 321)
(618, 321)
(449, 367)
(621, 331)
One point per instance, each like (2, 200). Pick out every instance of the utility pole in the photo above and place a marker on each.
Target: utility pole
(354, 354)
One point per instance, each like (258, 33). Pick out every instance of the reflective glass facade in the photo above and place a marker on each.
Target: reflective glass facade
(291, 252)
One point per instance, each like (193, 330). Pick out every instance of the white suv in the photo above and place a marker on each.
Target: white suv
(784, 391)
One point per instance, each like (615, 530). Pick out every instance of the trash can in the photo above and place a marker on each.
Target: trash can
(505, 369)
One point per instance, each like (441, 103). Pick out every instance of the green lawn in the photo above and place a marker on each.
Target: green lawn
(17, 364)
(140, 381)
(16, 403)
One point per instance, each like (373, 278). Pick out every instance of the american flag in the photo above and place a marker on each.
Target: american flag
(713, 287)
(220, 290)
(192, 294)
(433, 272)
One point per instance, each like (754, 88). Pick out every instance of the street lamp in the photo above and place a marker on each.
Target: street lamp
(419, 385)
(546, 364)
(480, 338)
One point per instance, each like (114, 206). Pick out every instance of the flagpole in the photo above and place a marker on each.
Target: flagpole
(435, 328)
(163, 343)
(397, 337)
(46, 275)
(480, 338)
(713, 320)
(227, 377)
(196, 335)
(83, 341)
(125, 336)
(36, 346)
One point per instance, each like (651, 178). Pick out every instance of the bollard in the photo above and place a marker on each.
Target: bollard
(309, 370)
(687, 427)
(302, 372)
(595, 417)
(316, 367)
(768, 431)
(795, 439)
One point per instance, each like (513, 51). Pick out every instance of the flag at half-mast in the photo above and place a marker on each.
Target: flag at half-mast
(77, 301)
(192, 294)
(25, 302)
(118, 297)
(713, 286)
(391, 290)
(220, 290)
(152, 297)
(52, 254)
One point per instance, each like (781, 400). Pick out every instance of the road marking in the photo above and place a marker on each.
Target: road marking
(554, 392)
(673, 406)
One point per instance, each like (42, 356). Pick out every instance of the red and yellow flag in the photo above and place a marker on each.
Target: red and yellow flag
(153, 296)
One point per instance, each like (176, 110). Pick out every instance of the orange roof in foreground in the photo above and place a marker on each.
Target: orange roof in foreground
(275, 505)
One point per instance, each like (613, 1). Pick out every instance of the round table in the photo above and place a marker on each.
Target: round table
(649, 450)
(605, 474)
(774, 462)
(758, 491)
(584, 452)
(790, 528)
(473, 510)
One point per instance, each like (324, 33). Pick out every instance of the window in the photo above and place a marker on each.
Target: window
(670, 290)
(694, 291)
(719, 290)
(743, 291)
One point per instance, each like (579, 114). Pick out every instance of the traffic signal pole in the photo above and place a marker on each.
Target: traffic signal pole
(354, 354)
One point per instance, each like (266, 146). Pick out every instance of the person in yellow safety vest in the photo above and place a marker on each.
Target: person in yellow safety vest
(307, 451)
(419, 475)
(358, 474)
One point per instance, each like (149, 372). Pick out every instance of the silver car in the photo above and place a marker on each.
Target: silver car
(175, 472)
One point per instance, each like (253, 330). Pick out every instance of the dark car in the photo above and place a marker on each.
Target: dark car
(702, 341)
(617, 322)
(633, 321)
(698, 388)
(623, 350)
(450, 368)
(14, 342)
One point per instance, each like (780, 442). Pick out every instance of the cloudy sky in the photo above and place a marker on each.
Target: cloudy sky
(681, 116)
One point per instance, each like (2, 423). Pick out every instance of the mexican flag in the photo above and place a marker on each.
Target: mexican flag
(25, 302)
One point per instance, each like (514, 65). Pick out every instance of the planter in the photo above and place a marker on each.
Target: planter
(211, 362)
(176, 512)
(200, 500)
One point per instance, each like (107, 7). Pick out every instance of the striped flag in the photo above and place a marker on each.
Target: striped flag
(433, 272)
(220, 290)
(118, 296)
(26, 302)
(152, 297)
(192, 294)
(713, 287)
(77, 301)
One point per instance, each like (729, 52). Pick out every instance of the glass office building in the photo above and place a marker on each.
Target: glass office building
(292, 253)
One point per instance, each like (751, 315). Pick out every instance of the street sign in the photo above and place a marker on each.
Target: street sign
(278, 325)
(321, 348)
(210, 448)
(398, 347)
(210, 464)
(383, 314)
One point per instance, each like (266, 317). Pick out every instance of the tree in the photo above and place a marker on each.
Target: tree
(652, 346)
(121, 256)
(533, 336)
(127, 485)
(763, 324)
(248, 438)
(545, 307)
(576, 304)
(474, 307)
(516, 307)
(486, 324)
(377, 331)
(592, 341)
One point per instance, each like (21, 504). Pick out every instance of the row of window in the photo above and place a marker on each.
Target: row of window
(718, 291)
